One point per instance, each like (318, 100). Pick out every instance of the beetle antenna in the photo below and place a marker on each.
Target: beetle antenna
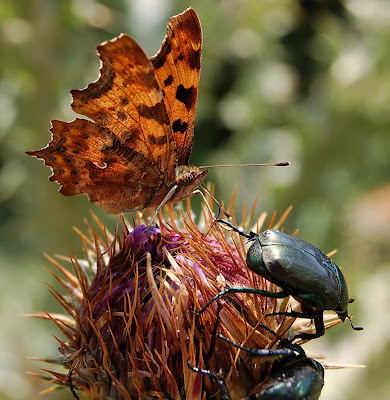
(240, 231)
(355, 328)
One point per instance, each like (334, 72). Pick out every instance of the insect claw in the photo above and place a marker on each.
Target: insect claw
(355, 328)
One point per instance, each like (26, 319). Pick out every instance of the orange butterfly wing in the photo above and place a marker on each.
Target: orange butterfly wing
(126, 159)
(128, 102)
(86, 158)
(177, 69)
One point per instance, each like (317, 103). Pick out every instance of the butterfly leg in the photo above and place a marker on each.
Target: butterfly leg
(164, 201)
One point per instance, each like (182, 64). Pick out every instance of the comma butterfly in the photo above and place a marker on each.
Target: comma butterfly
(135, 152)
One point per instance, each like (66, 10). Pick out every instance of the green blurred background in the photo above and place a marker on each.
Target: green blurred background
(303, 81)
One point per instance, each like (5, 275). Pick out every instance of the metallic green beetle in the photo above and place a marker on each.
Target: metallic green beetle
(294, 376)
(301, 270)
(299, 378)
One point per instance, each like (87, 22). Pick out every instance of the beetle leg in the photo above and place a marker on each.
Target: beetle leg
(316, 316)
(285, 342)
(271, 353)
(266, 293)
(213, 337)
(225, 395)
(318, 319)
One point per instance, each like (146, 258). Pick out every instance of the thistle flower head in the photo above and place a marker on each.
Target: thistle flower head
(131, 328)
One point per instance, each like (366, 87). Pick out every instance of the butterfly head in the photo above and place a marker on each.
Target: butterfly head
(188, 179)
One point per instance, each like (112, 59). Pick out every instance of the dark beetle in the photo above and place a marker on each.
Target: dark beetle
(300, 378)
(301, 270)
(294, 376)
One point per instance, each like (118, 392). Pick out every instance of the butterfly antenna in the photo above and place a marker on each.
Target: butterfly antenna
(279, 164)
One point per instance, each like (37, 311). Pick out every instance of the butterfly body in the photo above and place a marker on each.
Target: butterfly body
(187, 181)
(135, 147)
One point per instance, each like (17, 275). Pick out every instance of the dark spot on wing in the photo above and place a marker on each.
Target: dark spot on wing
(59, 148)
(168, 81)
(157, 112)
(124, 101)
(194, 59)
(121, 115)
(179, 126)
(159, 141)
(186, 96)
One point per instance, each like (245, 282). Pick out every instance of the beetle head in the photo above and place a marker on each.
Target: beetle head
(251, 235)
(255, 261)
